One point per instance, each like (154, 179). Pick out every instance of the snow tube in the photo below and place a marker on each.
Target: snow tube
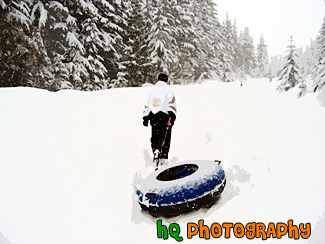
(181, 188)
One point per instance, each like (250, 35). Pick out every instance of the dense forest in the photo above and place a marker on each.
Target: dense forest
(100, 44)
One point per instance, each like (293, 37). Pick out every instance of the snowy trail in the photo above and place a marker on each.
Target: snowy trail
(68, 160)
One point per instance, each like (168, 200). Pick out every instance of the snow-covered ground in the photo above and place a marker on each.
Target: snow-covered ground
(69, 161)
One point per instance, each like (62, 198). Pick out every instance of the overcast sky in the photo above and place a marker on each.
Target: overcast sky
(277, 20)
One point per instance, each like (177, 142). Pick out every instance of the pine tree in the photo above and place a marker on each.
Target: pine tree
(306, 60)
(237, 55)
(136, 49)
(3, 4)
(207, 29)
(262, 59)
(98, 44)
(319, 71)
(227, 66)
(290, 73)
(162, 43)
(74, 51)
(120, 51)
(248, 58)
(53, 33)
(187, 44)
(8, 73)
(94, 41)
(23, 57)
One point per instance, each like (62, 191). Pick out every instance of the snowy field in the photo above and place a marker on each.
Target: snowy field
(69, 161)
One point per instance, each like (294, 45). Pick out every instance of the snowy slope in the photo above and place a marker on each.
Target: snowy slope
(69, 161)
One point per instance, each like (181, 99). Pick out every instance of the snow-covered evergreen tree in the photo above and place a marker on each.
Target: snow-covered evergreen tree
(207, 29)
(276, 64)
(94, 42)
(186, 41)
(53, 33)
(93, 38)
(23, 57)
(290, 73)
(319, 71)
(136, 49)
(3, 4)
(74, 58)
(118, 29)
(162, 43)
(262, 59)
(227, 66)
(308, 57)
(237, 51)
(6, 48)
(98, 44)
(247, 54)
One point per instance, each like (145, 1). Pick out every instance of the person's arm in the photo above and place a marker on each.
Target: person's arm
(146, 113)
(146, 120)
(172, 108)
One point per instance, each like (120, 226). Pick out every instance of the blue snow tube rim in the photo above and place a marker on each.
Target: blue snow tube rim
(208, 179)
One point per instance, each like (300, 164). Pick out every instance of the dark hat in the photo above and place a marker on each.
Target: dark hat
(163, 77)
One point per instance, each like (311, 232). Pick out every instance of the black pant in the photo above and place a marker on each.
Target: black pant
(159, 122)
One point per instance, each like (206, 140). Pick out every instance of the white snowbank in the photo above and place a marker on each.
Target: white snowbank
(69, 161)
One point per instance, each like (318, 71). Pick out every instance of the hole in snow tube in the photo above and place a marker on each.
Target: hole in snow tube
(177, 172)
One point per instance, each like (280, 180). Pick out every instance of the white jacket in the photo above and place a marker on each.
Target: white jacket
(161, 98)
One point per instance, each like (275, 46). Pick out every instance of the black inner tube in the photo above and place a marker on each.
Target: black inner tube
(177, 172)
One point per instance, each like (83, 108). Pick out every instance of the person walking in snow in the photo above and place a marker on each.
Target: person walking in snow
(160, 110)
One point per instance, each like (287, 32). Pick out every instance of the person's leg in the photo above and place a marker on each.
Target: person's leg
(155, 138)
(159, 126)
